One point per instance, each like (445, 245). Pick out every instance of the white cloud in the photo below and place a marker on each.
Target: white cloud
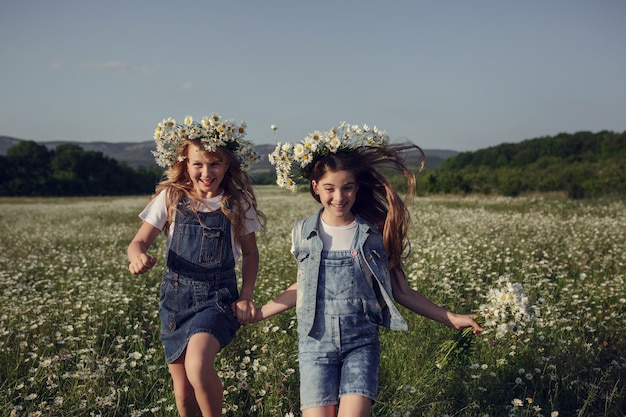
(55, 64)
(119, 67)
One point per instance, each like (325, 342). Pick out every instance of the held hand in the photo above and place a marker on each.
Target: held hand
(245, 311)
(461, 321)
(258, 316)
(142, 264)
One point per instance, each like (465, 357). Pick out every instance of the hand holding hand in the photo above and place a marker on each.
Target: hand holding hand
(244, 310)
(258, 316)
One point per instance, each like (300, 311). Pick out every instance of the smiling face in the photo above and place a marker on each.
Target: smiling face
(337, 192)
(206, 171)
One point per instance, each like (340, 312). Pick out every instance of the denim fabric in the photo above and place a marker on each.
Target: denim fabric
(341, 353)
(374, 262)
(200, 283)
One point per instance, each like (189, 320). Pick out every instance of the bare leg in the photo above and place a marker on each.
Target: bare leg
(355, 406)
(183, 391)
(325, 411)
(200, 370)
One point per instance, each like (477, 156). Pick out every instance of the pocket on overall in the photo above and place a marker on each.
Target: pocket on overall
(339, 276)
(211, 246)
(168, 305)
(224, 297)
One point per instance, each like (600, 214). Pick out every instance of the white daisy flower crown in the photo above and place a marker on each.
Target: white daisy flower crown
(291, 160)
(212, 132)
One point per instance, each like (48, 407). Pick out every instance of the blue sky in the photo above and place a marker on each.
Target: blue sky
(459, 75)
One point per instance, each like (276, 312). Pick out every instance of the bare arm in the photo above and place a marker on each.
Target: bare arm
(137, 251)
(423, 306)
(244, 307)
(285, 301)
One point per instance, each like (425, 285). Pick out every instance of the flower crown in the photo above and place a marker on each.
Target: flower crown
(212, 132)
(291, 160)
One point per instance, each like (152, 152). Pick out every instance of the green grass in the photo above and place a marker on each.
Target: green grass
(79, 333)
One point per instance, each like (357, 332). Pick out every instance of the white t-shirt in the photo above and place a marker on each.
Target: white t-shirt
(337, 237)
(155, 213)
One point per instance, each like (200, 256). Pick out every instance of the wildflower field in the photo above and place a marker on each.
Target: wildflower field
(546, 275)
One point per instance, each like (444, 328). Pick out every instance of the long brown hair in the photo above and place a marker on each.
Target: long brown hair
(238, 193)
(376, 200)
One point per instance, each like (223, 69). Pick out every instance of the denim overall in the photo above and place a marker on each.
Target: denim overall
(341, 353)
(199, 284)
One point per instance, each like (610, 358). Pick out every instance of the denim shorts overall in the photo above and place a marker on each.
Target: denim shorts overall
(199, 284)
(341, 354)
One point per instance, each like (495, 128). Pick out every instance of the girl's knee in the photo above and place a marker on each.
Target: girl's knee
(187, 404)
(184, 394)
(201, 351)
(200, 373)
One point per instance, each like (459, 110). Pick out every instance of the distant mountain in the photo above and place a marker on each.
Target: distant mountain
(7, 142)
(439, 153)
(435, 157)
(137, 154)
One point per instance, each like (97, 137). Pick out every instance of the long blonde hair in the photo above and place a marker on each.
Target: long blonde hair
(238, 193)
(376, 199)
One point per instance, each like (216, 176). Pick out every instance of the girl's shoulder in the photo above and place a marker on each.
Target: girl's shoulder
(166, 194)
(159, 199)
(155, 211)
(362, 221)
(309, 222)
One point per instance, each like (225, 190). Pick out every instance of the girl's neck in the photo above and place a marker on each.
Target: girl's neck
(338, 221)
(211, 195)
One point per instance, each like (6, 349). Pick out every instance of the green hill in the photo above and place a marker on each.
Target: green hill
(583, 164)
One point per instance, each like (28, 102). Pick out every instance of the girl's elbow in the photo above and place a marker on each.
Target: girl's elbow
(399, 288)
(252, 253)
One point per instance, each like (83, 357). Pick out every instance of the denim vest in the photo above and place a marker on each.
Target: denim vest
(307, 249)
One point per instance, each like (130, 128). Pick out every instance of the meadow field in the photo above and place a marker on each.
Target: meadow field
(547, 276)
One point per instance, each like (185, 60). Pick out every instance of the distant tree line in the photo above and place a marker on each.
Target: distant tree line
(583, 165)
(30, 169)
